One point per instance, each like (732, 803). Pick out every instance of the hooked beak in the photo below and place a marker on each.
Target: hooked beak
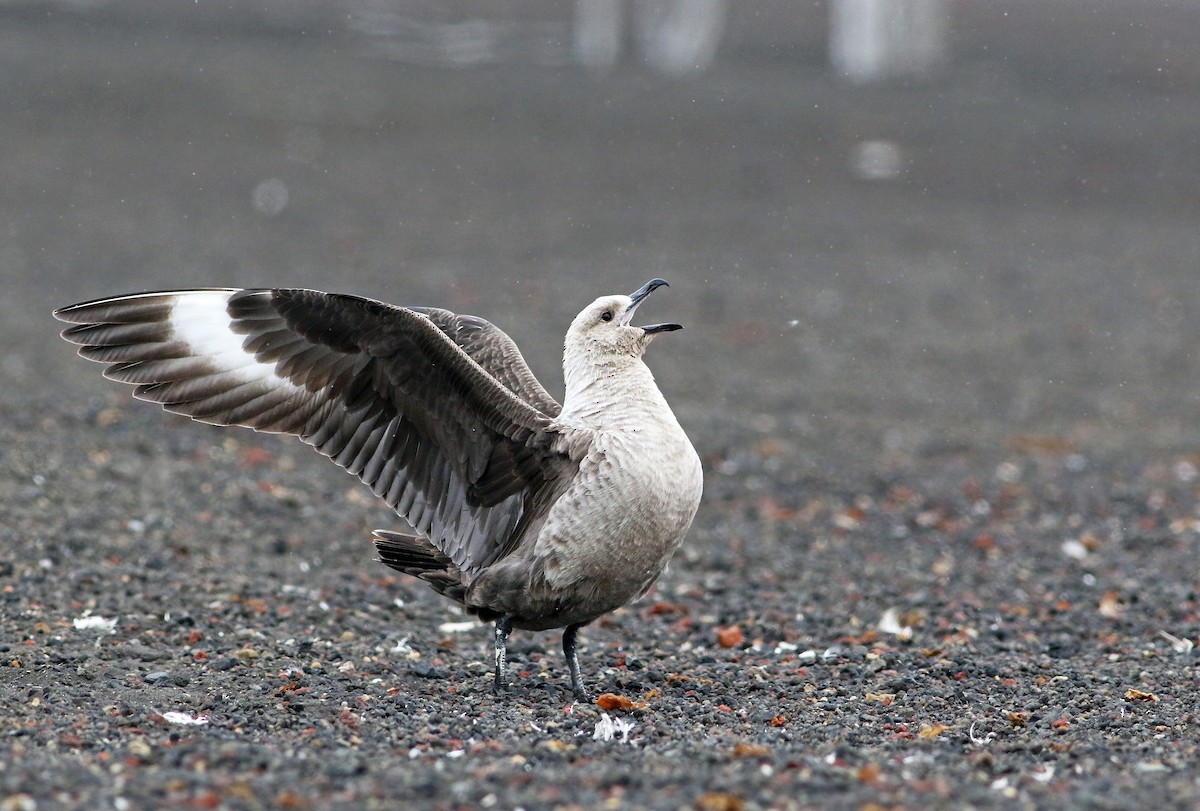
(637, 297)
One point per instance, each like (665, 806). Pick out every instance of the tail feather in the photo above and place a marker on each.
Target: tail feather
(408, 552)
(416, 556)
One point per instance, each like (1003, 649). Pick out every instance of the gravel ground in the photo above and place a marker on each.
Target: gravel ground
(949, 424)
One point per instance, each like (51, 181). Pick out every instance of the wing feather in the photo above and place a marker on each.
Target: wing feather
(437, 412)
(496, 352)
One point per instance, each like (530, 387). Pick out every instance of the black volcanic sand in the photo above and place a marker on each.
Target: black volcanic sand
(950, 425)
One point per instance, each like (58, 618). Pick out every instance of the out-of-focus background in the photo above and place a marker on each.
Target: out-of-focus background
(891, 228)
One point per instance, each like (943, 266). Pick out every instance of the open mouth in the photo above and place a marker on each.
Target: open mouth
(636, 298)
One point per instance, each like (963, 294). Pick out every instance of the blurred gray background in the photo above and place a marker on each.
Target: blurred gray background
(972, 230)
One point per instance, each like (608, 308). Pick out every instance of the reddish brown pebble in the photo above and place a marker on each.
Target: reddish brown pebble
(612, 701)
(730, 637)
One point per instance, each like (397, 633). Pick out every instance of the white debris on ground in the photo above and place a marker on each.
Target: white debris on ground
(1074, 549)
(184, 719)
(95, 623)
(890, 623)
(1177, 644)
(607, 728)
(402, 647)
(457, 627)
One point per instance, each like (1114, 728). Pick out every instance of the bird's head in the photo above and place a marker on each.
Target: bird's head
(603, 330)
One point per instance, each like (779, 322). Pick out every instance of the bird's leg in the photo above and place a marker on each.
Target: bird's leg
(503, 629)
(570, 637)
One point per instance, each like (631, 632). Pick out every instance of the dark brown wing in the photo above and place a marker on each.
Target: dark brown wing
(497, 353)
(383, 391)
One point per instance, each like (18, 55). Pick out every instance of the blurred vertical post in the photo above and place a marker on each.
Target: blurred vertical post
(598, 31)
(870, 40)
(675, 37)
(678, 37)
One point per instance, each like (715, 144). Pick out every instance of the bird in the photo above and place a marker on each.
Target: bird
(530, 514)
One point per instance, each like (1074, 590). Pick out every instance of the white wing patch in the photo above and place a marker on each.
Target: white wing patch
(200, 319)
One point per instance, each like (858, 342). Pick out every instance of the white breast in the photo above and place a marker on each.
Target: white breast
(626, 513)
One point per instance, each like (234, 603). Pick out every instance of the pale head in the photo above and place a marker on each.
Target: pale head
(603, 332)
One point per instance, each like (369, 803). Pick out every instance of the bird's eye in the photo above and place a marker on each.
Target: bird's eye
(606, 315)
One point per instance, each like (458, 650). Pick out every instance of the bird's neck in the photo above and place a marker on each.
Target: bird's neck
(601, 393)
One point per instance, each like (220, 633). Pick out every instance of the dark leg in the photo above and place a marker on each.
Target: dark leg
(503, 629)
(570, 636)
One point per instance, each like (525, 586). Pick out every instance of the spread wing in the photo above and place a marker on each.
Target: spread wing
(497, 353)
(436, 412)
